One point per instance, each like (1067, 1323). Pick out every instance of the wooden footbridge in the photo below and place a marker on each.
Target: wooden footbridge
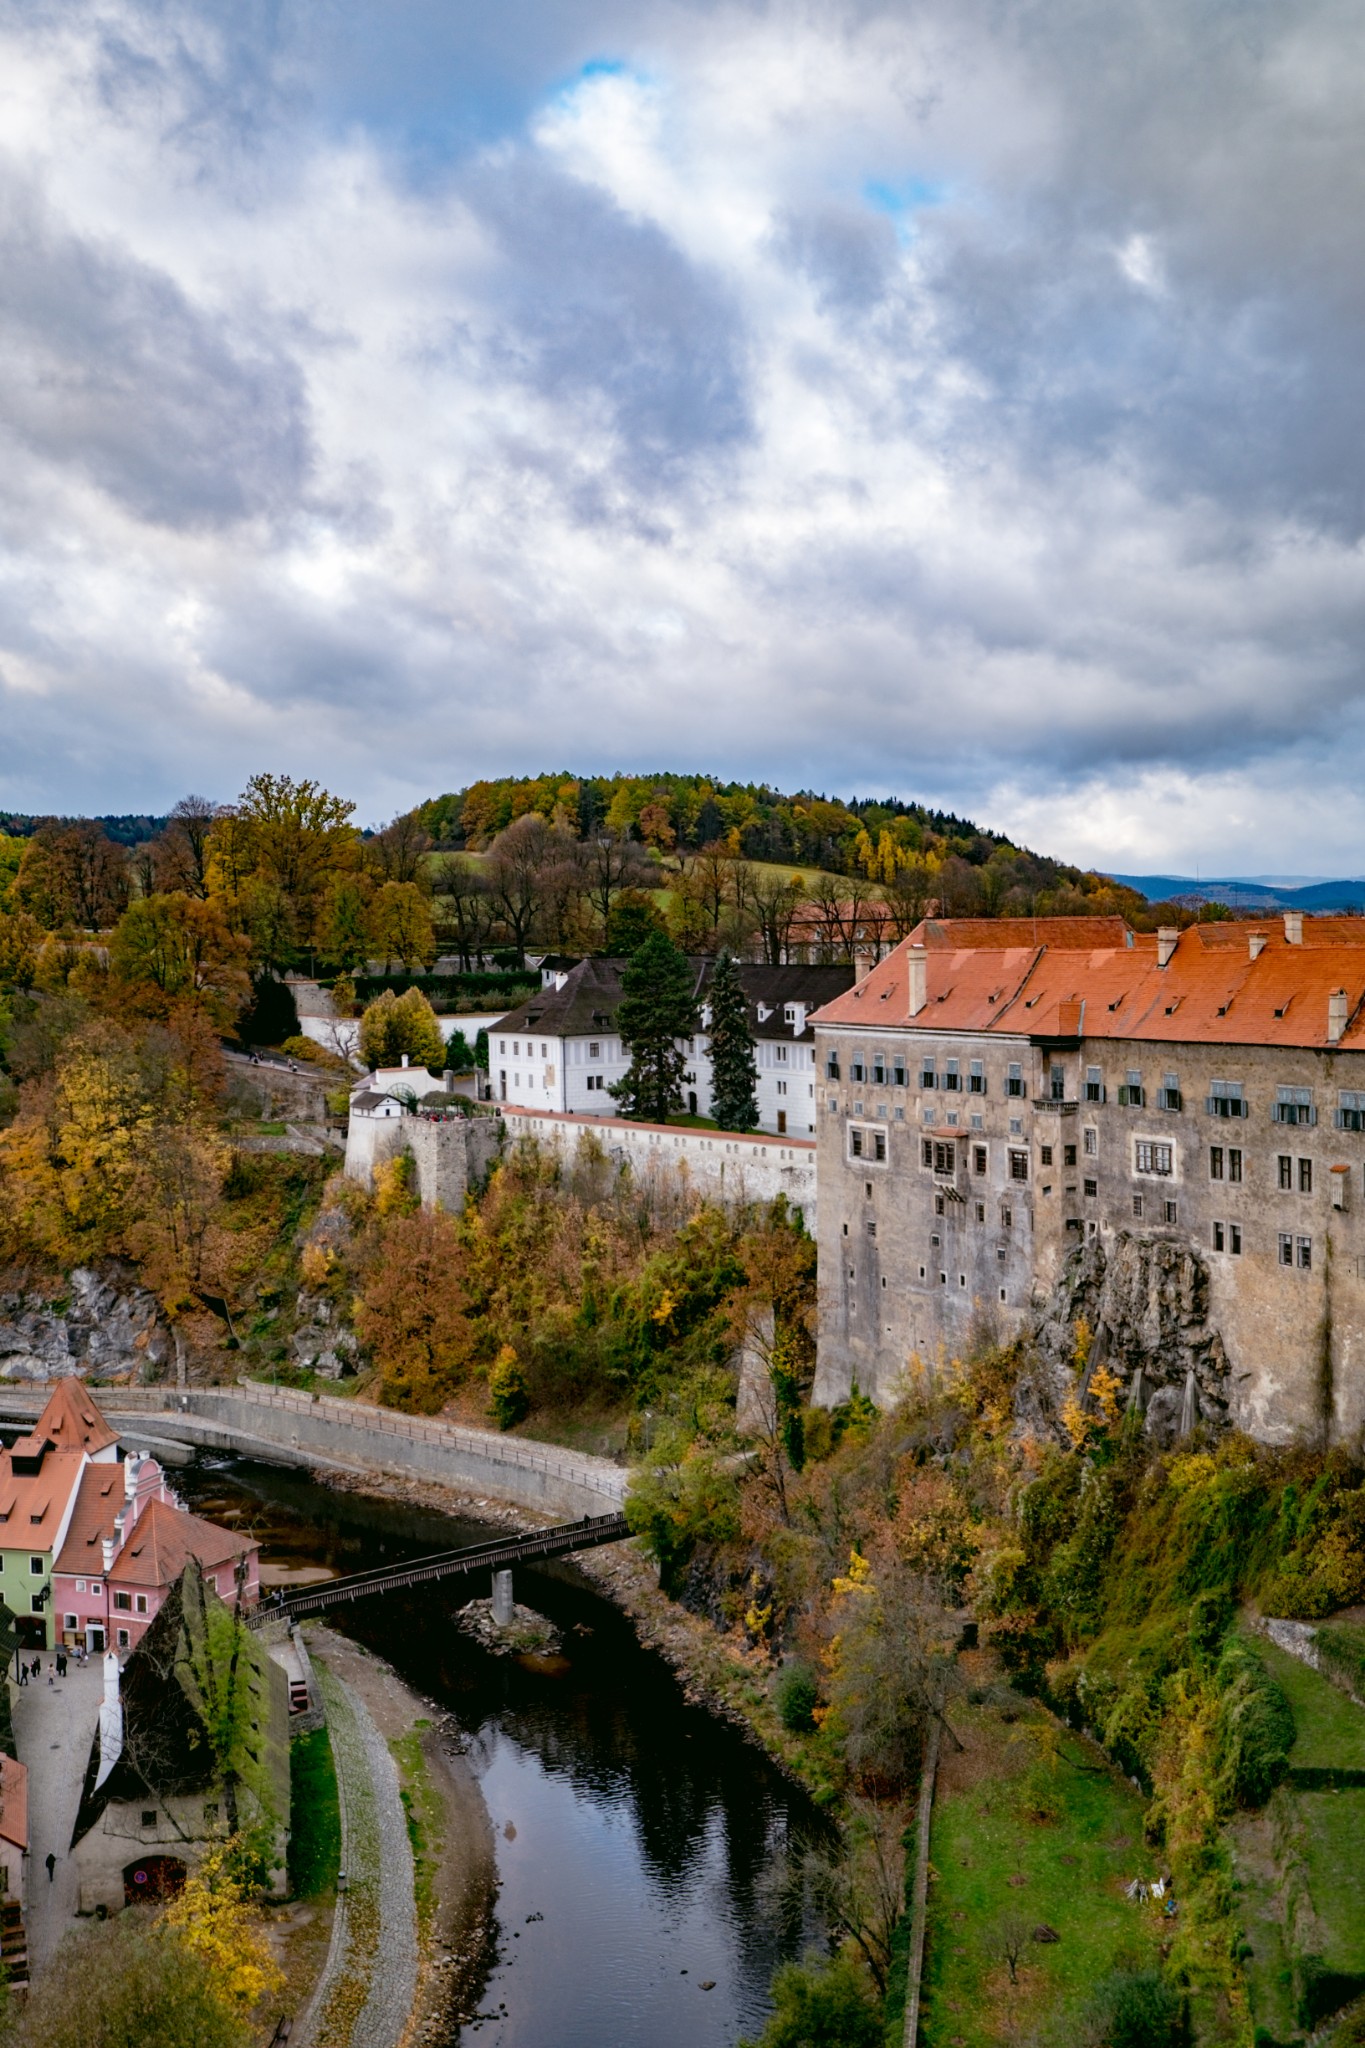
(499, 1554)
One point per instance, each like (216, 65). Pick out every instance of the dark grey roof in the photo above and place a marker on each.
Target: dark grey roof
(591, 993)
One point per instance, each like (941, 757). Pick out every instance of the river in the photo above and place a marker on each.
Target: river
(634, 1833)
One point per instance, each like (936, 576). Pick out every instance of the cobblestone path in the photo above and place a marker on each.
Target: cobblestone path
(365, 1994)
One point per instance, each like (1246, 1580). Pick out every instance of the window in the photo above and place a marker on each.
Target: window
(1137, 1205)
(80, 1585)
(855, 1072)
(141, 1603)
(1092, 1188)
(1286, 1249)
(1235, 1239)
(1234, 1163)
(781, 1087)
(1351, 1110)
(1094, 1084)
(1294, 1106)
(1045, 1154)
(1304, 1247)
(1006, 1216)
(940, 1205)
(926, 1079)
(878, 1068)
(981, 1212)
(855, 1144)
(898, 1071)
(976, 1078)
(1014, 1080)
(149, 1816)
(1132, 1093)
(123, 1602)
(95, 1588)
(1225, 1098)
(1286, 1165)
(879, 1144)
(1171, 1213)
(1092, 1143)
(1215, 1162)
(1170, 1097)
(35, 1567)
(952, 1080)
(945, 1156)
(1057, 1083)
(1150, 1157)
(1068, 1155)
(1305, 1176)
(1018, 1165)
(832, 1067)
(72, 1621)
(978, 1159)
(1219, 1238)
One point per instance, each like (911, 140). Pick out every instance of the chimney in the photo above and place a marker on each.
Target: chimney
(863, 963)
(1293, 927)
(1167, 939)
(108, 1555)
(919, 979)
(1336, 1016)
(1257, 944)
(405, 1059)
(131, 1467)
(448, 1080)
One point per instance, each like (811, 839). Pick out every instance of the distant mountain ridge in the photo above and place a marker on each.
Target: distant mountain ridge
(1243, 893)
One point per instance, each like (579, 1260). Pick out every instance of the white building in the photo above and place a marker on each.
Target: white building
(560, 1050)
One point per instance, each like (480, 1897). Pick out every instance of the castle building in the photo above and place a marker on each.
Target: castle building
(561, 1050)
(1023, 1119)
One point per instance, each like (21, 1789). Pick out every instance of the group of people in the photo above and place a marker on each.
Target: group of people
(61, 1664)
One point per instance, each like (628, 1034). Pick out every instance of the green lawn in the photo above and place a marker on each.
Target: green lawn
(1329, 1728)
(314, 1816)
(1014, 1838)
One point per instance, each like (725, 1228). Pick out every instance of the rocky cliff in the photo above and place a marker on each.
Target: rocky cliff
(102, 1325)
(1146, 1302)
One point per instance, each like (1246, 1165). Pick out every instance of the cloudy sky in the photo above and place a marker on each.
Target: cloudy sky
(956, 399)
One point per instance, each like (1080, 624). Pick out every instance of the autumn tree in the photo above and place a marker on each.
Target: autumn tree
(658, 1011)
(632, 919)
(394, 1025)
(400, 922)
(74, 875)
(411, 1314)
(398, 853)
(179, 948)
(130, 1984)
(182, 852)
(515, 870)
(463, 910)
(21, 938)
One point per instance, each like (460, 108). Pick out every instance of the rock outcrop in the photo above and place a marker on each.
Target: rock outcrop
(104, 1326)
(1146, 1302)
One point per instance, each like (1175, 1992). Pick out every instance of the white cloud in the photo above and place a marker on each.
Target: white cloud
(638, 432)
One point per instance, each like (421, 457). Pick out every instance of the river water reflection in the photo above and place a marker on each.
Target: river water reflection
(639, 1828)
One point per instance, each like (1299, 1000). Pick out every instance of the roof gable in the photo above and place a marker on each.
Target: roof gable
(72, 1417)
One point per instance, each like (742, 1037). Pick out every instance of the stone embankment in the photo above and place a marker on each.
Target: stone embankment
(329, 1434)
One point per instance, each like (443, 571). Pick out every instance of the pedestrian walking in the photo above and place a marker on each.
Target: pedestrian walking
(37, 1667)
(23, 1674)
(51, 1865)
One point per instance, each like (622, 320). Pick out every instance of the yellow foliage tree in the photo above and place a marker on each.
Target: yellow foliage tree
(217, 1923)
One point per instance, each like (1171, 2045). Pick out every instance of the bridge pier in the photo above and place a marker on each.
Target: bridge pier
(503, 1603)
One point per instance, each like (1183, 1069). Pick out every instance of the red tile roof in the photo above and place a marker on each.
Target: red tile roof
(32, 1503)
(1072, 934)
(163, 1540)
(71, 1417)
(14, 1801)
(1210, 992)
(92, 1518)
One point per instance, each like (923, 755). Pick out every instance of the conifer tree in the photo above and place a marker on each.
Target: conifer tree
(734, 1072)
(657, 1009)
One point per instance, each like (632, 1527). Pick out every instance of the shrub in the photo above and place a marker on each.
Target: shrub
(796, 1698)
(394, 1025)
(820, 2005)
(509, 1401)
(1136, 2009)
(1255, 1727)
(272, 1014)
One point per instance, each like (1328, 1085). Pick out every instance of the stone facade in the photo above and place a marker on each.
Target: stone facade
(984, 1168)
(728, 1166)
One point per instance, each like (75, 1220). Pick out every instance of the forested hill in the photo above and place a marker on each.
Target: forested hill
(866, 837)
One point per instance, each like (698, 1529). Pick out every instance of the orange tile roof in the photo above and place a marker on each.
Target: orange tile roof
(164, 1539)
(14, 1801)
(1074, 934)
(1211, 993)
(32, 1503)
(92, 1518)
(71, 1417)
